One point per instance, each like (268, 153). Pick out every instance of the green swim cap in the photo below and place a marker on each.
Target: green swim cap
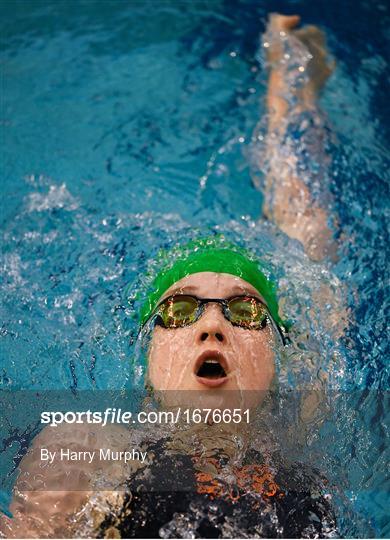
(209, 255)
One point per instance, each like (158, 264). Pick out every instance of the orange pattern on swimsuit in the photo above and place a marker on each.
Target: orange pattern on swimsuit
(258, 478)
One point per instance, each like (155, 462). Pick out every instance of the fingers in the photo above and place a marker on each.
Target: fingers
(283, 22)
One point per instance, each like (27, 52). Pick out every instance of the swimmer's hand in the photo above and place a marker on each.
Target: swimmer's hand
(309, 39)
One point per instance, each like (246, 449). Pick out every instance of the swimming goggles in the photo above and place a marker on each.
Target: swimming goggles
(182, 310)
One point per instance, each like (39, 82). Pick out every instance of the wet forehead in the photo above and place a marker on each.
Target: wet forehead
(212, 285)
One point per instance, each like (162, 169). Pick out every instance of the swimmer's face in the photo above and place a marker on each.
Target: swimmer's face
(186, 358)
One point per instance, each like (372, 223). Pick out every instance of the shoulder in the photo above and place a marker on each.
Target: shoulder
(51, 486)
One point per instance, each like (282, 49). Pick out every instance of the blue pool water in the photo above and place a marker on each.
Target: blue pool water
(126, 128)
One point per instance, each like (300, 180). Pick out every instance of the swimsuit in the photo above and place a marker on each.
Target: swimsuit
(173, 498)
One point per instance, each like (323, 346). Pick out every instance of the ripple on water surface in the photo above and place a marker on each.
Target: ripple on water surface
(139, 138)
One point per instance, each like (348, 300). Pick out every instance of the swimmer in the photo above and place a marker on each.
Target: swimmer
(216, 305)
(215, 323)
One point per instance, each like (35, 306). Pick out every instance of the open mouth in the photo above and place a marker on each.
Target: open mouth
(211, 368)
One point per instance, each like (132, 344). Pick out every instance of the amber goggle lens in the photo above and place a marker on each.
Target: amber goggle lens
(179, 311)
(247, 312)
(182, 310)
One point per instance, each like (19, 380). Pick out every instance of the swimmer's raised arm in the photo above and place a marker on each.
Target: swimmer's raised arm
(296, 198)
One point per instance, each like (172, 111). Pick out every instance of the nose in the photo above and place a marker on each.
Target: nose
(211, 326)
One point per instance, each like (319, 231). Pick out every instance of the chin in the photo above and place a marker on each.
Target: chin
(196, 395)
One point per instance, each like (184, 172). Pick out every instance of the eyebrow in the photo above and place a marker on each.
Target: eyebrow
(183, 289)
(244, 291)
(240, 291)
